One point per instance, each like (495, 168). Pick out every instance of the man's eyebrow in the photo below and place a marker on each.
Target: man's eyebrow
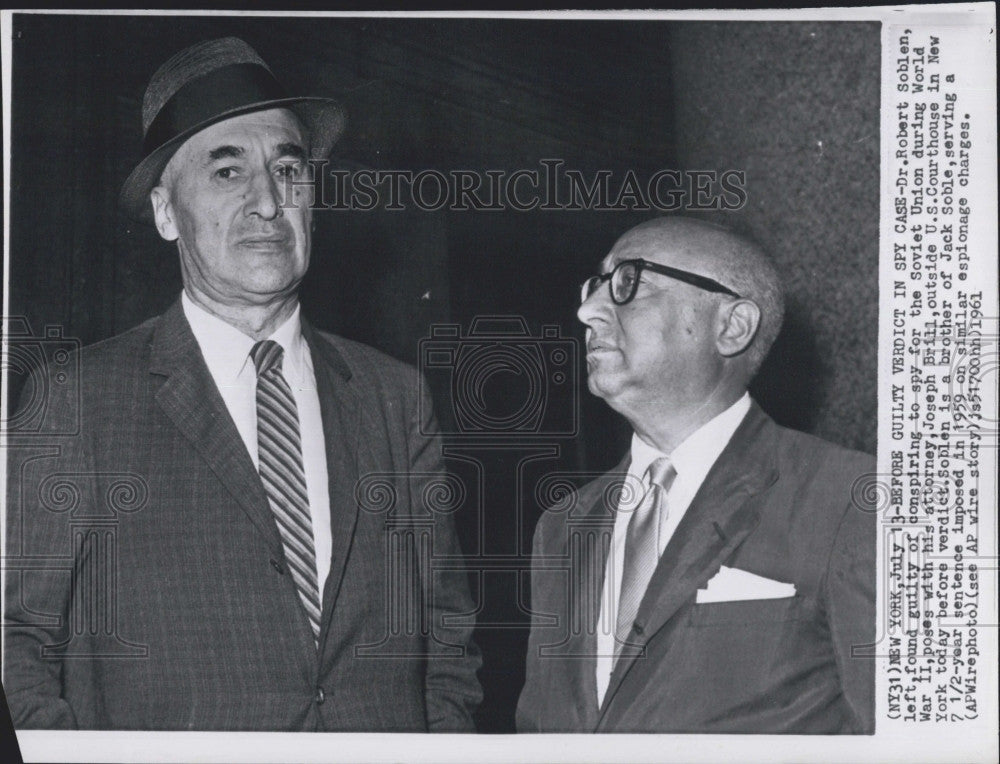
(230, 152)
(291, 150)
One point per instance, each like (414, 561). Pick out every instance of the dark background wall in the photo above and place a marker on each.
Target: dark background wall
(795, 106)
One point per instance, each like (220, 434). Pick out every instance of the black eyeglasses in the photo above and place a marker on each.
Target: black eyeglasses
(624, 280)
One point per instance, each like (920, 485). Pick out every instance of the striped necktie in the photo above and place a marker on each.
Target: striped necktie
(279, 448)
(642, 546)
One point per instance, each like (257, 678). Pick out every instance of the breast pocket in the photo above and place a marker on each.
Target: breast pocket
(747, 612)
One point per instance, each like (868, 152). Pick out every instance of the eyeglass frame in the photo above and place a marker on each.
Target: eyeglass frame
(693, 279)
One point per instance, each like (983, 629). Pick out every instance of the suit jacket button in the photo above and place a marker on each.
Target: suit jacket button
(278, 566)
(320, 696)
(638, 628)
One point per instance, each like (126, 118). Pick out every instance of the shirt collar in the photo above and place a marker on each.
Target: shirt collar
(227, 350)
(694, 457)
(297, 360)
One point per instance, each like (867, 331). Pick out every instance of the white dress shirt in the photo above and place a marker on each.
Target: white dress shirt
(692, 460)
(226, 351)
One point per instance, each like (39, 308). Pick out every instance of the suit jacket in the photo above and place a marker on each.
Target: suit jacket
(147, 587)
(777, 503)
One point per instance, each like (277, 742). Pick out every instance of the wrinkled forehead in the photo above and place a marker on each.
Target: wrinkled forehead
(259, 130)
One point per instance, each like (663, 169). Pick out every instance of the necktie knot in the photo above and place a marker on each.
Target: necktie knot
(662, 473)
(267, 355)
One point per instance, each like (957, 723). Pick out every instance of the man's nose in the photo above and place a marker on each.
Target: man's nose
(265, 197)
(596, 306)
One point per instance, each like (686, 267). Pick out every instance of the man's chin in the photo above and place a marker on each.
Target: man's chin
(268, 281)
(601, 385)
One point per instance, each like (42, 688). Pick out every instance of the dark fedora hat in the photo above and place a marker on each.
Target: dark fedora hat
(205, 84)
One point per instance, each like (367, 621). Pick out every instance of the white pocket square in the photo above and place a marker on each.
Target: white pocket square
(732, 584)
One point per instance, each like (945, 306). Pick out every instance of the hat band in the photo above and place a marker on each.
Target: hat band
(204, 98)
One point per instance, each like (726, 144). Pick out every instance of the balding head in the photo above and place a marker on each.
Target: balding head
(725, 256)
(677, 338)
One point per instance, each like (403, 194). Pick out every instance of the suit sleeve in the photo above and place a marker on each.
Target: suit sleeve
(38, 563)
(452, 691)
(850, 596)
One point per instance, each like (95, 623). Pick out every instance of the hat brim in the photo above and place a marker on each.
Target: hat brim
(323, 118)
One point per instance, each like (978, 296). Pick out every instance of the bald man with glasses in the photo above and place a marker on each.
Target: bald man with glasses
(722, 578)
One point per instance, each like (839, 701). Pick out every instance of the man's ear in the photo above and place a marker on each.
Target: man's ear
(163, 213)
(739, 323)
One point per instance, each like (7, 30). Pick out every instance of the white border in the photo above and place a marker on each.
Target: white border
(898, 743)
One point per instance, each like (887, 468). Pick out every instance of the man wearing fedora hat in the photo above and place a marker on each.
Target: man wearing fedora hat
(252, 578)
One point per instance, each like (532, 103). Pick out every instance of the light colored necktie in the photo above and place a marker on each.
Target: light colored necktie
(642, 552)
(279, 448)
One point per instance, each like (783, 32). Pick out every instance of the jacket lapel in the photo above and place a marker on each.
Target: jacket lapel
(589, 536)
(340, 408)
(720, 518)
(190, 398)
